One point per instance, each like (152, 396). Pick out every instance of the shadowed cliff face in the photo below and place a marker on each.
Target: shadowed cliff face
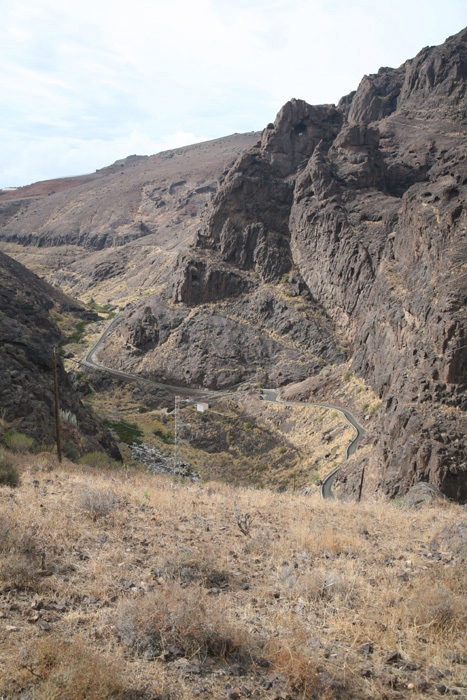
(367, 202)
(28, 306)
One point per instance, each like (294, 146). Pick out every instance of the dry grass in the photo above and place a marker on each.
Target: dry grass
(161, 582)
(71, 671)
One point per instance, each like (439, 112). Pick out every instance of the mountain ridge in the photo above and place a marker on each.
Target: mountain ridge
(339, 236)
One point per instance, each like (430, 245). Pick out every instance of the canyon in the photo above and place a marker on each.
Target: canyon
(330, 247)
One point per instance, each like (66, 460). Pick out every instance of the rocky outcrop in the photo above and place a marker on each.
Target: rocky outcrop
(259, 336)
(27, 334)
(367, 202)
(339, 235)
(199, 280)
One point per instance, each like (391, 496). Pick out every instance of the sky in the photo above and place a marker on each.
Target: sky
(86, 82)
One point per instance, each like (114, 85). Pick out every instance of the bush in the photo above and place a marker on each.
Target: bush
(347, 374)
(95, 459)
(72, 672)
(97, 503)
(20, 558)
(9, 475)
(70, 450)
(68, 417)
(166, 436)
(17, 442)
(185, 617)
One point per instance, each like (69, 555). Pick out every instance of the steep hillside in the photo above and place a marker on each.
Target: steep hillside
(29, 311)
(366, 202)
(115, 233)
(333, 248)
(110, 594)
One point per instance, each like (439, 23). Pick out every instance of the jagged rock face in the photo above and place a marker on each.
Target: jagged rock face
(368, 202)
(341, 233)
(27, 335)
(261, 336)
(198, 281)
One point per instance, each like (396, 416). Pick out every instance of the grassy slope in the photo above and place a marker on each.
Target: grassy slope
(104, 570)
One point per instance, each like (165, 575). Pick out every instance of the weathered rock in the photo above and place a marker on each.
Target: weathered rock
(27, 335)
(340, 234)
(369, 203)
(421, 494)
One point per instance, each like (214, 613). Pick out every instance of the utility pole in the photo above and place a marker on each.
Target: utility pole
(361, 484)
(57, 416)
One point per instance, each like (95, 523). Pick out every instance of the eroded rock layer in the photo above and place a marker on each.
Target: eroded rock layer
(339, 236)
(366, 202)
(29, 308)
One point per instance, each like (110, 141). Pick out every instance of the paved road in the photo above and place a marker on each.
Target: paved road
(326, 486)
(270, 395)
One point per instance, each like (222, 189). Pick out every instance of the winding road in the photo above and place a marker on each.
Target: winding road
(269, 395)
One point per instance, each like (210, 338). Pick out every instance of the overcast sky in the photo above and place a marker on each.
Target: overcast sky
(86, 82)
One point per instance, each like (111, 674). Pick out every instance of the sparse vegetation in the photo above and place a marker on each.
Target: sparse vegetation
(92, 571)
(17, 442)
(95, 459)
(9, 475)
(71, 671)
(127, 432)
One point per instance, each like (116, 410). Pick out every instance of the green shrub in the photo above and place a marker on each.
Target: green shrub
(285, 278)
(127, 432)
(365, 407)
(70, 450)
(17, 442)
(347, 374)
(376, 406)
(95, 459)
(9, 475)
(166, 436)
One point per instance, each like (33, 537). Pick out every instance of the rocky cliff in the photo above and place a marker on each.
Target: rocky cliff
(365, 202)
(29, 309)
(337, 237)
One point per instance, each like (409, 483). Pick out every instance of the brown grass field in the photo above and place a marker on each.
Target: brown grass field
(117, 584)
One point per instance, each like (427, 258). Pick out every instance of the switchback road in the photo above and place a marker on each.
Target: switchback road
(270, 395)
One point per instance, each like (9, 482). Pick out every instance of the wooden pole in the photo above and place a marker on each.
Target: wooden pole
(57, 416)
(361, 485)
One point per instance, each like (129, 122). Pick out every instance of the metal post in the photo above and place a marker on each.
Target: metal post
(176, 446)
(57, 416)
